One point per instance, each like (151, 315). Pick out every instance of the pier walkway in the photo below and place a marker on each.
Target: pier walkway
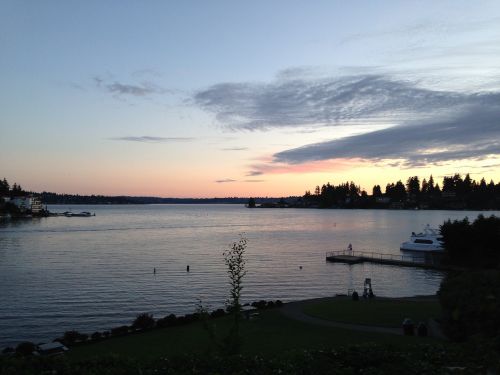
(427, 260)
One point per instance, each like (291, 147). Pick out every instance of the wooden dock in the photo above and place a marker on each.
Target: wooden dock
(429, 261)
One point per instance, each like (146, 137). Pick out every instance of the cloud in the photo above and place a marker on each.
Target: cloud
(472, 134)
(225, 180)
(274, 166)
(149, 139)
(421, 125)
(234, 149)
(254, 173)
(254, 180)
(142, 89)
(298, 102)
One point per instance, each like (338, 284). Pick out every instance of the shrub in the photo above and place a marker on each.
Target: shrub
(260, 304)
(168, 321)
(186, 319)
(118, 331)
(279, 303)
(71, 337)
(143, 321)
(471, 304)
(25, 348)
(8, 350)
(270, 304)
(217, 313)
(96, 336)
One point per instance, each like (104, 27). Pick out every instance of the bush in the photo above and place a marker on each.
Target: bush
(8, 350)
(96, 336)
(363, 359)
(118, 331)
(72, 337)
(143, 321)
(471, 304)
(260, 304)
(279, 303)
(217, 313)
(25, 348)
(168, 321)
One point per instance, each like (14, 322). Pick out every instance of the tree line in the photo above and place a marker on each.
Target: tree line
(6, 190)
(454, 192)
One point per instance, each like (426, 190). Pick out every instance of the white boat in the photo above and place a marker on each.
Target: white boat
(429, 240)
(81, 214)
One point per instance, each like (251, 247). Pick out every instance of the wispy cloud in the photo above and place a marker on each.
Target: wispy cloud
(274, 166)
(301, 102)
(254, 173)
(225, 180)
(254, 181)
(141, 89)
(149, 139)
(234, 149)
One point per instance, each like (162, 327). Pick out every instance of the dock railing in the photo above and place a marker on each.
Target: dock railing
(367, 254)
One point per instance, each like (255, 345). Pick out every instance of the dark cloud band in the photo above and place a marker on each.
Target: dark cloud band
(473, 134)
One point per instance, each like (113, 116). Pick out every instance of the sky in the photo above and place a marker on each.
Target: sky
(232, 98)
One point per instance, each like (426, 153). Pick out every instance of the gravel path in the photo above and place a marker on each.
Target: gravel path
(293, 310)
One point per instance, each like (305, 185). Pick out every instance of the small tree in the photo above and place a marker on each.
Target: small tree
(234, 257)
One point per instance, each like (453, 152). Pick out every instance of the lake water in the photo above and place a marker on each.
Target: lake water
(96, 273)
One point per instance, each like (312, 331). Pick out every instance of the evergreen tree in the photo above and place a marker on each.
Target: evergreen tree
(376, 191)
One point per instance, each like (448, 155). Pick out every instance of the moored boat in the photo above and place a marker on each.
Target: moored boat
(429, 240)
(81, 214)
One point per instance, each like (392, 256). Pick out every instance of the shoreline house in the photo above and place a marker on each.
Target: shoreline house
(26, 204)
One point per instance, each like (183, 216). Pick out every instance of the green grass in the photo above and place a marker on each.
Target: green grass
(377, 312)
(270, 334)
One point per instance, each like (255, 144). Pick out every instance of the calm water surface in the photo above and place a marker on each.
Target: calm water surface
(96, 273)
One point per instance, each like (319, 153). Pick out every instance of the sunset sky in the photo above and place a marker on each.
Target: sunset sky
(256, 98)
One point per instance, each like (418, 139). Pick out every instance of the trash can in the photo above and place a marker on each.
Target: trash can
(408, 327)
(422, 329)
(355, 296)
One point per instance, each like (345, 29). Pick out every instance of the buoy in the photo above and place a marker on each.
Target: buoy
(187, 268)
(154, 270)
(300, 267)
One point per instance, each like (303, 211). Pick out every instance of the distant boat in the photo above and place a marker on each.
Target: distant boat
(81, 214)
(429, 240)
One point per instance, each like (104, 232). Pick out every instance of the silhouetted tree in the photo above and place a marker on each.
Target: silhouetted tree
(413, 186)
(377, 192)
(251, 203)
(234, 257)
(4, 187)
(472, 245)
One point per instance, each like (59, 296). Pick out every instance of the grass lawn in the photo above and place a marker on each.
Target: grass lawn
(270, 334)
(377, 312)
